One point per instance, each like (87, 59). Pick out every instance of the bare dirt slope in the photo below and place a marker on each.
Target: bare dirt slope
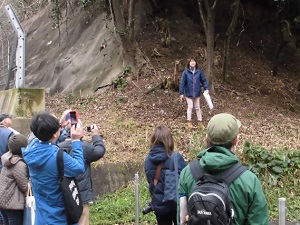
(268, 106)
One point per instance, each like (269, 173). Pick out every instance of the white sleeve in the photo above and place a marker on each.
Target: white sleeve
(183, 210)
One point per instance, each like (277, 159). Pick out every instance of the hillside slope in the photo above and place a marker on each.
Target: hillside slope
(268, 106)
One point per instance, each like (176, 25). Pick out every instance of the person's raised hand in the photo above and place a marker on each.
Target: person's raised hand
(76, 132)
(94, 129)
(63, 122)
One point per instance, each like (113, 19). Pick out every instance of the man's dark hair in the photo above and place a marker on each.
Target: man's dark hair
(44, 125)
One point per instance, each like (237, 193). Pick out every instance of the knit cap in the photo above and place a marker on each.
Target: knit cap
(16, 142)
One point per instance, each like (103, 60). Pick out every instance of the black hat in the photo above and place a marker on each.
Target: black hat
(16, 142)
(3, 116)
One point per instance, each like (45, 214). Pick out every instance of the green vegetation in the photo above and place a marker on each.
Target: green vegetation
(119, 208)
(120, 82)
(278, 171)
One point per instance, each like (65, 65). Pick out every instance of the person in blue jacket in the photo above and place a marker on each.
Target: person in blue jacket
(162, 147)
(190, 87)
(5, 134)
(40, 156)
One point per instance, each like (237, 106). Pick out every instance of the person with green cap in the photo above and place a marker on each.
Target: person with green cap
(247, 196)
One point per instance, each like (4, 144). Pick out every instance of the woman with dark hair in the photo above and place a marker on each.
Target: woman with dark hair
(190, 87)
(161, 148)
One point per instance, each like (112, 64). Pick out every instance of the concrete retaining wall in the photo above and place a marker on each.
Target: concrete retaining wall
(108, 178)
(22, 102)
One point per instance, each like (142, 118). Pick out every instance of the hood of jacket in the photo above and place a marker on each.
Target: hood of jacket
(191, 71)
(217, 159)
(157, 154)
(36, 155)
(9, 159)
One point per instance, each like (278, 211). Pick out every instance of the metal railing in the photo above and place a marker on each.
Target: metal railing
(282, 212)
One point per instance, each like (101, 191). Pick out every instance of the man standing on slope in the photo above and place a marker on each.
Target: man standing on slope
(248, 200)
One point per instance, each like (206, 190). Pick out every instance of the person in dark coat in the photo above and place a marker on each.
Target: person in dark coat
(162, 147)
(190, 87)
(91, 153)
(5, 133)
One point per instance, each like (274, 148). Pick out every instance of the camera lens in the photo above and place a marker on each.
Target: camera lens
(148, 208)
(88, 129)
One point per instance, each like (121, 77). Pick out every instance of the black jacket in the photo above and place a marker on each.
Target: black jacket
(91, 153)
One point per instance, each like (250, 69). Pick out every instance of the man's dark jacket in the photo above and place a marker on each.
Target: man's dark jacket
(91, 153)
(5, 134)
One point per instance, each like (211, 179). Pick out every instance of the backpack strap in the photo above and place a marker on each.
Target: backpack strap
(157, 173)
(233, 172)
(60, 162)
(228, 176)
(196, 169)
(174, 161)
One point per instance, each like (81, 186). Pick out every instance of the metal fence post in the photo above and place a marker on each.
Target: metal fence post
(20, 54)
(136, 185)
(282, 211)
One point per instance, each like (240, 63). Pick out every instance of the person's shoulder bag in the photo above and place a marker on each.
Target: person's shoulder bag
(171, 180)
(29, 210)
(71, 196)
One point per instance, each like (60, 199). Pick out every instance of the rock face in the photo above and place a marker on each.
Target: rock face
(83, 57)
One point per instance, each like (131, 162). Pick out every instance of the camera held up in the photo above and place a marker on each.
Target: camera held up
(148, 208)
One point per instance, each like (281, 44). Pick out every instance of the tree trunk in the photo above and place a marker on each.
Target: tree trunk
(118, 16)
(228, 35)
(208, 20)
(210, 48)
(130, 24)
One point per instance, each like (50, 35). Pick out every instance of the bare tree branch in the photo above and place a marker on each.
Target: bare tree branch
(214, 5)
(202, 16)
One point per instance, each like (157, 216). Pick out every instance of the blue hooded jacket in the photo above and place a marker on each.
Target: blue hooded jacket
(41, 160)
(156, 156)
(190, 84)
